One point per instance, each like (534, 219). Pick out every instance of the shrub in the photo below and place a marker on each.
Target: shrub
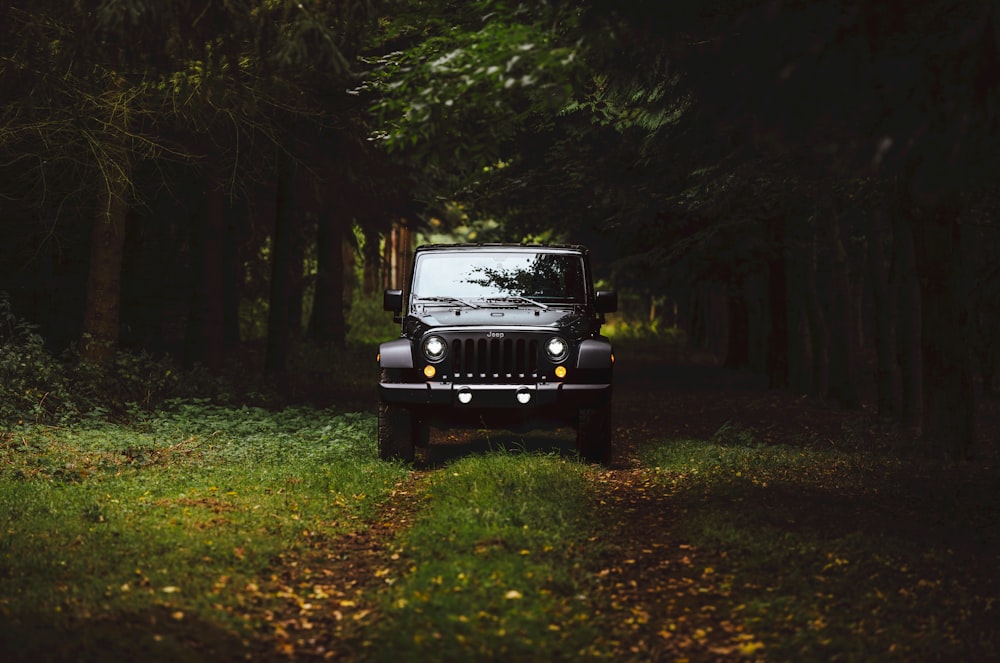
(34, 384)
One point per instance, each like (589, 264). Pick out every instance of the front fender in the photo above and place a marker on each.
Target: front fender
(396, 354)
(594, 353)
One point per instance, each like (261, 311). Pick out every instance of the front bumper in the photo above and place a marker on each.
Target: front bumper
(495, 396)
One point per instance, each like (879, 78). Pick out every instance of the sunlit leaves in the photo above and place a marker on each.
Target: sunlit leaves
(471, 85)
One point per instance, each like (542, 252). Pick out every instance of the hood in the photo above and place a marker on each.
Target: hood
(564, 319)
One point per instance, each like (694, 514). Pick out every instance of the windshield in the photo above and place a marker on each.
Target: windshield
(479, 275)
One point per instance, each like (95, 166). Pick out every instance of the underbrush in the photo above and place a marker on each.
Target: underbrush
(39, 387)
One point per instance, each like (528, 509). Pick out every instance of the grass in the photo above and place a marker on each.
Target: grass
(172, 538)
(169, 525)
(495, 566)
(835, 555)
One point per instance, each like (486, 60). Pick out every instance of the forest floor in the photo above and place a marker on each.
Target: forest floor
(657, 398)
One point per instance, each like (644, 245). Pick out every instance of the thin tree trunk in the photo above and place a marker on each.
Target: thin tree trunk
(738, 341)
(373, 263)
(843, 387)
(886, 373)
(102, 313)
(800, 364)
(759, 320)
(206, 335)
(327, 323)
(906, 291)
(278, 336)
(777, 291)
(949, 394)
(232, 275)
(819, 333)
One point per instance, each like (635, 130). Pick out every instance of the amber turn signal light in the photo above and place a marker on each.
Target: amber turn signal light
(560, 372)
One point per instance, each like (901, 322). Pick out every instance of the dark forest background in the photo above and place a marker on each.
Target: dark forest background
(806, 188)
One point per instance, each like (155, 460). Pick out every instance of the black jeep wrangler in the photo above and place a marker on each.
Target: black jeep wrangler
(497, 335)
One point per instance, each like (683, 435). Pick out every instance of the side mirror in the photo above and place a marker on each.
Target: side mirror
(392, 300)
(606, 301)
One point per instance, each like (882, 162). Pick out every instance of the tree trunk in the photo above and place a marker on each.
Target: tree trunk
(886, 372)
(777, 297)
(949, 394)
(206, 331)
(232, 275)
(738, 341)
(759, 320)
(843, 387)
(819, 332)
(800, 296)
(327, 323)
(282, 287)
(716, 320)
(906, 290)
(373, 263)
(102, 313)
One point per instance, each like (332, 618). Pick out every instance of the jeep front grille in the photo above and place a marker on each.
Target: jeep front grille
(494, 358)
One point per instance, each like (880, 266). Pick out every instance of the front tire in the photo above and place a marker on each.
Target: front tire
(396, 433)
(593, 434)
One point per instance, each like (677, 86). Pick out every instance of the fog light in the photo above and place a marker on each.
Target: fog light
(523, 396)
(429, 371)
(465, 396)
(560, 372)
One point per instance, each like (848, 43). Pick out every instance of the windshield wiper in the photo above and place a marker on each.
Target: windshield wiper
(517, 298)
(453, 300)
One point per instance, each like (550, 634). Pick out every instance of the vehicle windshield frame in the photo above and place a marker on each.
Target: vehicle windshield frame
(501, 278)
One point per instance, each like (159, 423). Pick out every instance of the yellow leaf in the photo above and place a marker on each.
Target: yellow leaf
(513, 594)
(750, 648)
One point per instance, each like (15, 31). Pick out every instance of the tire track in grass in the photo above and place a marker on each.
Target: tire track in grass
(658, 596)
(318, 601)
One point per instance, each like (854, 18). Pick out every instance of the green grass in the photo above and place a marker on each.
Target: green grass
(171, 538)
(495, 567)
(169, 525)
(829, 554)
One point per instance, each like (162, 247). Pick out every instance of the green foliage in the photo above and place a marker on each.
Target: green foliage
(367, 323)
(622, 329)
(463, 86)
(32, 382)
(38, 388)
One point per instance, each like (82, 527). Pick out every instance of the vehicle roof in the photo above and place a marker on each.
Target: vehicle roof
(502, 246)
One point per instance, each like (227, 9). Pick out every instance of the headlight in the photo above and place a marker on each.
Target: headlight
(435, 348)
(557, 349)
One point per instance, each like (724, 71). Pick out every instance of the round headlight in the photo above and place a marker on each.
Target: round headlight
(435, 348)
(557, 349)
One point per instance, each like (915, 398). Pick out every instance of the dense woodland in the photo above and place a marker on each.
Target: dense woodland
(806, 187)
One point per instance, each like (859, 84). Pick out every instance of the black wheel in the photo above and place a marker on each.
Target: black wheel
(593, 434)
(396, 433)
